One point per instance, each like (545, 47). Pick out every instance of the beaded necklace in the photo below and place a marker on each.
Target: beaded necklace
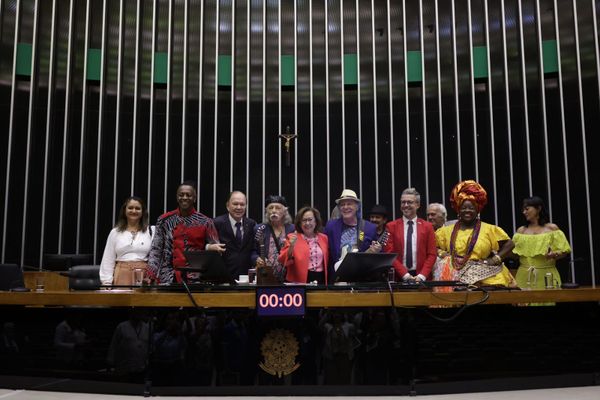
(459, 261)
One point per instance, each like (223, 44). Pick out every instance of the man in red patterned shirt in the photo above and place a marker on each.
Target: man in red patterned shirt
(183, 229)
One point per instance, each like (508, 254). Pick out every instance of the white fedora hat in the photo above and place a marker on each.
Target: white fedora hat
(348, 194)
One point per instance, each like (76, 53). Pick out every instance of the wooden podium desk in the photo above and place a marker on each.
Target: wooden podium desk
(494, 346)
(318, 298)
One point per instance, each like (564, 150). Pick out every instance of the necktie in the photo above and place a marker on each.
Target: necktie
(238, 232)
(409, 252)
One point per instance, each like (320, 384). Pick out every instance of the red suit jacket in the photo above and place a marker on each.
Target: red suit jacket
(426, 250)
(297, 269)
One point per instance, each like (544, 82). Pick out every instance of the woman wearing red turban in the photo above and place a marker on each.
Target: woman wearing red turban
(472, 249)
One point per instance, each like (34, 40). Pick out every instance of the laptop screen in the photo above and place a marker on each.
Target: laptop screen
(208, 265)
(365, 267)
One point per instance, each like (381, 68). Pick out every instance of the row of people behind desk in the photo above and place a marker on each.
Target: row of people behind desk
(306, 250)
(243, 243)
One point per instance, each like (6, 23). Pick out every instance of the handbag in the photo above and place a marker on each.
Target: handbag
(476, 270)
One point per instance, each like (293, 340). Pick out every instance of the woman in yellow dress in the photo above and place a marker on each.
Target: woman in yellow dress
(470, 249)
(538, 244)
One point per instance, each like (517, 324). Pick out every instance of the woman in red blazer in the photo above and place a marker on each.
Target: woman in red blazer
(306, 251)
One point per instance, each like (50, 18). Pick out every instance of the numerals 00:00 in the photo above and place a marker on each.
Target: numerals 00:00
(287, 300)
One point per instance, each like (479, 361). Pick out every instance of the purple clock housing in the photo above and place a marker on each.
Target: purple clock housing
(282, 301)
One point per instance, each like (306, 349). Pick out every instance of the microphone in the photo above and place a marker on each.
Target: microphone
(35, 269)
(571, 284)
(19, 289)
(17, 286)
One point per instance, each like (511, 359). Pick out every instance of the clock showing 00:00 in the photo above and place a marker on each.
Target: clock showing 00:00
(277, 300)
(280, 301)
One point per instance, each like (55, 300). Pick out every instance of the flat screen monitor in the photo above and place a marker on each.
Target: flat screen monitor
(209, 265)
(11, 277)
(365, 267)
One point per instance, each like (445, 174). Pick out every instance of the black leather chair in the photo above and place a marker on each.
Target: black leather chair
(11, 278)
(84, 277)
(63, 262)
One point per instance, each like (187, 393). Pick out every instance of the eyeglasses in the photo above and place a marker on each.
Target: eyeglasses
(308, 220)
(408, 202)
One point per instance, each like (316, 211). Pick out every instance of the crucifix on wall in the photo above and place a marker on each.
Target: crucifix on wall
(288, 136)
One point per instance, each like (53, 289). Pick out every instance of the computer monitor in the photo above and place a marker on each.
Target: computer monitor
(365, 267)
(11, 277)
(209, 265)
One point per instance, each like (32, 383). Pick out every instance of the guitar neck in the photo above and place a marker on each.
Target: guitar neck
(383, 239)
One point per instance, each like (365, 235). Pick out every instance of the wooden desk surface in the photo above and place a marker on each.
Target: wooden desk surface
(315, 298)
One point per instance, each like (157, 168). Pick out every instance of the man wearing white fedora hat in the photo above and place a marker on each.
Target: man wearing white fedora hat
(349, 232)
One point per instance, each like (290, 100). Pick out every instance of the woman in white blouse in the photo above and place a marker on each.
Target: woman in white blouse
(128, 244)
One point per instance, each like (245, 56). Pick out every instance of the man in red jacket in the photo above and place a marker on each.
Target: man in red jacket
(413, 239)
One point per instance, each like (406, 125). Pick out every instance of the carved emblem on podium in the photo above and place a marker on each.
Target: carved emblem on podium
(279, 349)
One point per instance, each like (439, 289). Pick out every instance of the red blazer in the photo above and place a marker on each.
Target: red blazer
(426, 250)
(297, 268)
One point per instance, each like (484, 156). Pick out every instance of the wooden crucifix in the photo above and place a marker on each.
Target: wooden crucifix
(288, 136)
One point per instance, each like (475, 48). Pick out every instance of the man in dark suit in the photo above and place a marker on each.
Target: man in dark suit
(235, 230)
(413, 239)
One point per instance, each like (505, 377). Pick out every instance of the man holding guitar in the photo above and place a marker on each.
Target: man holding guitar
(350, 232)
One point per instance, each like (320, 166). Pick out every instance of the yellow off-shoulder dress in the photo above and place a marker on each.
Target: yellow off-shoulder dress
(488, 239)
(532, 250)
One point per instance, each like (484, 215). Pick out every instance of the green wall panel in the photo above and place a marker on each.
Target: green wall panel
(414, 60)
(224, 70)
(24, 59)
(350, 69)
(480, 63)
(161, 63)
(550, 56)
(94, 62)
(287, 70)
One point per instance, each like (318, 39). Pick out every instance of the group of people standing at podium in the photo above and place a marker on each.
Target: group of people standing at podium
(305, 249)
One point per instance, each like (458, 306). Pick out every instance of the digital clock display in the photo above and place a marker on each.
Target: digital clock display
(280, 301)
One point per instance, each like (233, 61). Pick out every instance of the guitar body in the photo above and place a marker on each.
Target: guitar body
(265, 276)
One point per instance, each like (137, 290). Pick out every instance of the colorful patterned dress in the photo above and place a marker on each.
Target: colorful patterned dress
(487, 241)
(532, 250)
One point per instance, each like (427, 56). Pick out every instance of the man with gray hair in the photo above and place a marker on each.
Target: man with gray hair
(269, 237)
(237, 232)
(436, 214)
(413, 239)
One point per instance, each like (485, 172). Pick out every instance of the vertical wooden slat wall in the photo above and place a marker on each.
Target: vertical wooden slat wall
(474, 99)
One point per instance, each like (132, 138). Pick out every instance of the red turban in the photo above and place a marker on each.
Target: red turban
(468, 190)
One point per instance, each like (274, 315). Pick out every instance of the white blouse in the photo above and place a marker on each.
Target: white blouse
(123, 246)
